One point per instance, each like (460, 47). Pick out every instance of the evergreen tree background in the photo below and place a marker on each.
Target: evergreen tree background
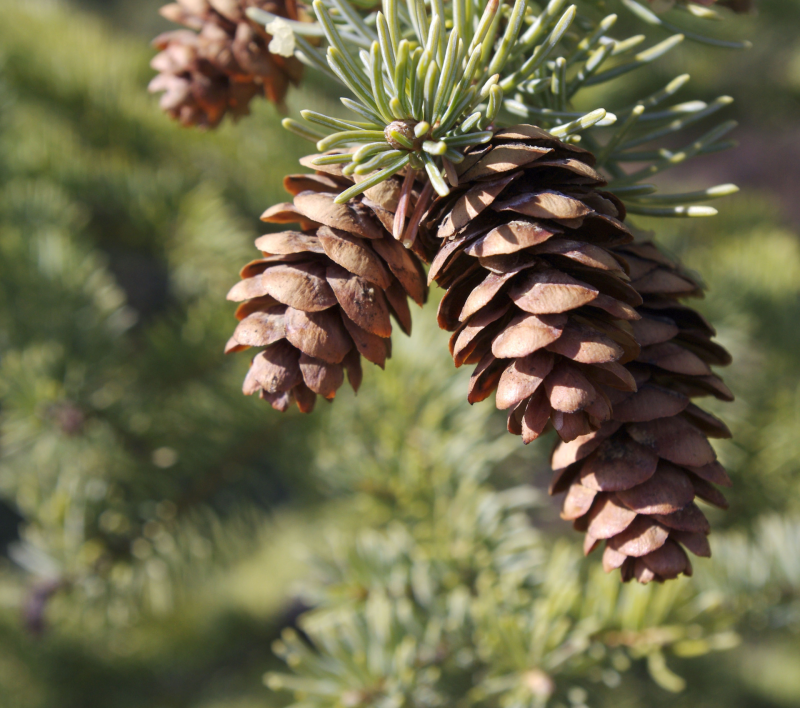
(156, 526)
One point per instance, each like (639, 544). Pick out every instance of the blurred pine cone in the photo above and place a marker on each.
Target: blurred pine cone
(534, 296)
(221, 62)
(633, 483)
(321, 298)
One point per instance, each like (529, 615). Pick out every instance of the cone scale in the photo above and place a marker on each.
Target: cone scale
(221, 61)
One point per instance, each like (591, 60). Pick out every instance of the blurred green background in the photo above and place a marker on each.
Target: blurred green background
(166, 519)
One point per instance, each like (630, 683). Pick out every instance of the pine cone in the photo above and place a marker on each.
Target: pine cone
(534, 296)
(633, 482)
(221, 62)
(577, 327)
(321, 298)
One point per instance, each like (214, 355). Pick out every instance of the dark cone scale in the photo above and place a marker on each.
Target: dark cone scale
(221, 62)
(322, 296)
(536, 296)
(634, 483)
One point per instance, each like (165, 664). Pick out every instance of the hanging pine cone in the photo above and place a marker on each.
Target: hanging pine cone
(633, 482)
(321, 297)
(535, 297)
(578, 328)
(221, 62)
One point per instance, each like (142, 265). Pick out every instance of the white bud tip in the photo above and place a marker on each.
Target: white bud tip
(283, 43)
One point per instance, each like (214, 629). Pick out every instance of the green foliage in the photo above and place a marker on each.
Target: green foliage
(123, 435)
(451, 594)
(430, 84)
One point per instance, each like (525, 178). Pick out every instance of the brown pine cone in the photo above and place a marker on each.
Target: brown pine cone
(633, 483)
(221, 62)
(321, 297)
(535, 295)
